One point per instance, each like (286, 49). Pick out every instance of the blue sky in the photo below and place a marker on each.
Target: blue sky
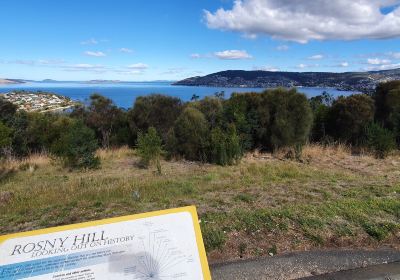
(169, 40)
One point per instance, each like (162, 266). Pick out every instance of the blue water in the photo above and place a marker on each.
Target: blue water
(124, 94)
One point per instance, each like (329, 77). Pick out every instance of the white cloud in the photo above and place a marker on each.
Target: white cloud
(96, 54)
(304, 66)
(125, 50)
(174, 71)
(395, 55)
(380, 64)
(377, 61)
(91, 41)
(51, 61)
(266, 68)
(195, 55)
(24, 62)
(232, 54)
(129, 72)
(383, 67)
(84, 67)
(305, 20)
(344, 64)
(316, 57)
(282, 48)
(138, 66)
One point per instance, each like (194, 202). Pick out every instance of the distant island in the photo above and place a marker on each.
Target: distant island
(349, 81)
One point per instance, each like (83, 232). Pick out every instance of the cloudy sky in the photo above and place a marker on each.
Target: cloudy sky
(169, 40)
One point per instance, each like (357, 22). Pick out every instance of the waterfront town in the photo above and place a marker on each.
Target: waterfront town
(38, 101)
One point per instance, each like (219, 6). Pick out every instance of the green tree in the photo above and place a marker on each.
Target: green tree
(290, 119)
(149, 148)
(19, 124)
(76, 147)
(41, 132)
(250, 114)
(158, 111)
(348, 117)
(102, 116)
(387, 102)
(212, 108)
(191, 135)
(195, 97)
(320, 107)
(224, 146)
(7, 111)
(5, 138)
(380, 140)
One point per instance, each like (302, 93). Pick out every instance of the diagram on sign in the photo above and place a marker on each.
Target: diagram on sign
(157, 257)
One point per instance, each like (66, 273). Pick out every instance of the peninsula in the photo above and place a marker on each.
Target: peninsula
(10, 81)
(351, 81)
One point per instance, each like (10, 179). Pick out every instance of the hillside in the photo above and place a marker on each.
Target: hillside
(354, 81)
(265, 205)
(10, 81)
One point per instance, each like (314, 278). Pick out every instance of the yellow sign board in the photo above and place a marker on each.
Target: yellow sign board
(161, 245)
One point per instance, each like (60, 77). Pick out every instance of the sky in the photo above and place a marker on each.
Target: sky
(136, 40)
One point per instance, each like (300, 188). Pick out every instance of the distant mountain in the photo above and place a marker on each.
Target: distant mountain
(354, 81)
(11, 81)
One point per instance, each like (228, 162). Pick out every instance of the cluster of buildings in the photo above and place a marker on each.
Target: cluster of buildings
(38, 101)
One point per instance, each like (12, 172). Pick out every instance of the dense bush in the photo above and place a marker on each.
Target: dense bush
(250, 115)
(212, 129)
(106, 119)
(42, 131)
(5, 138)
(270, 120)
(224, 148)
(348, 117)
(320, 107)
(190, 135)
(76, 147)
(387, 102)
(7, 111)
(19, 124)
(158, 111)
(290, 119)
(212, 109)
(380, 140)
(149, 148)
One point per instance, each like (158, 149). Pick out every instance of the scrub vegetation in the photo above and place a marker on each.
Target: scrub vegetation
(269, 172)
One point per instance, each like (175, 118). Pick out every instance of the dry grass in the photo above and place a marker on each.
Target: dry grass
(38, 160)
(331, 199)
(114, 153)
(315, 151)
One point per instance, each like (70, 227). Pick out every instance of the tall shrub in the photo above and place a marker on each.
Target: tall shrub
(250, 114)
(158, 111)
(290, 119)
(224, 146)
(149, 148)
(380, 140)
(5, 138)
(387, 101)
(191, 134)
(348, 117)
(76, 147)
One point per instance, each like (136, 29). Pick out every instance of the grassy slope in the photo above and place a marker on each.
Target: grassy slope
(262, 206)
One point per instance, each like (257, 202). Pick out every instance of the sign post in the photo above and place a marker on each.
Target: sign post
(159, 245)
